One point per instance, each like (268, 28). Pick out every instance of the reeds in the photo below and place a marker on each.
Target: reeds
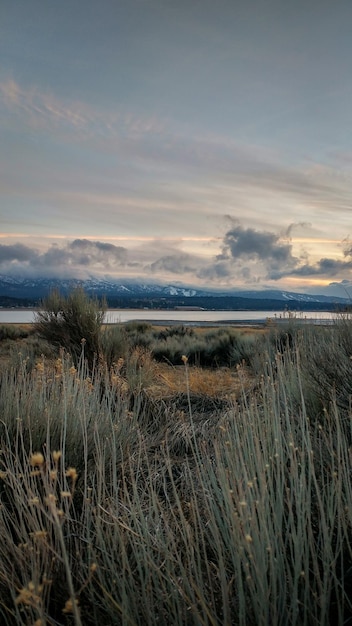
(112, 516)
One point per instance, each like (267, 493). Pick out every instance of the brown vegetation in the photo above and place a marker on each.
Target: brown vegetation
(138, 492)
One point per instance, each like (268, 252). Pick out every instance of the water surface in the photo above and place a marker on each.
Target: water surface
(113, 316)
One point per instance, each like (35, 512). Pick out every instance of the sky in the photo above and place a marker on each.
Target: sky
(196, 142)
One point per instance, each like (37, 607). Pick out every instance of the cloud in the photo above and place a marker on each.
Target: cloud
(148, 176)
(296, 226)
(42, 110)
(324, 267)
(151, 142)
(175, 264)
(263, 247)
(80, 255)
(18, 253)
(246, 256)
(347, 247)
(252, 256)
(342, 286)
(252, 243)
(86, 252)
(221, 269)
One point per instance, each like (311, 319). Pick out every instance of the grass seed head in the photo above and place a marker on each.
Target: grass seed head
(72, 473)
(65, 494)
(68, 608)
(57, 454)
(37, 459)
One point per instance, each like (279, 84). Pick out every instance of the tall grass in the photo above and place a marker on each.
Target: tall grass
(243, 519)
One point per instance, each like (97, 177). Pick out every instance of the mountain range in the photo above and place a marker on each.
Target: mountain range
(16, 291)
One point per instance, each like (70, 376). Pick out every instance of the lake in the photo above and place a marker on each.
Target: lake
(113, 316)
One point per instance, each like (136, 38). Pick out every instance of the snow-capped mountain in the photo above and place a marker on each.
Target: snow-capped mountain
(287, 296)
(38, 288)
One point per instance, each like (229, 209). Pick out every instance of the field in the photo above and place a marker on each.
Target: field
(172, 476)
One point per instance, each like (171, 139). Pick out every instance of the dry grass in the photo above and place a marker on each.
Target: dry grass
(241, 518)
(222, 382)
(205, 506)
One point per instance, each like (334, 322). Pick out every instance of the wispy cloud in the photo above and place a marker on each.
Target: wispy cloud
(43, 110)
(142, 164)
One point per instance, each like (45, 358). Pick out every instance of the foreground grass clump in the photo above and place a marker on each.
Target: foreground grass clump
(117, 512)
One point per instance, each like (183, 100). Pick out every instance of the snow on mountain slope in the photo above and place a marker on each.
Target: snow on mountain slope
(39, 287)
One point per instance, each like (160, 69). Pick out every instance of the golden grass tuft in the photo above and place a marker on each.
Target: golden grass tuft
(218, 382)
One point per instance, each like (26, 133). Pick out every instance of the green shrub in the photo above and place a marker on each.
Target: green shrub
(247, 349)
(173, 347)
(29, 351)
(72, 322)
(139, 334)
(115, 343)
(13, 332)
(137, 327)
(174, 331)
(220, 347)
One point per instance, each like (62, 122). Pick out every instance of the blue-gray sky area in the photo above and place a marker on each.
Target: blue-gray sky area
(199, 142)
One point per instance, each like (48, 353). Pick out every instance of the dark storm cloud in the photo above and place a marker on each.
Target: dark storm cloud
(258, 245)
